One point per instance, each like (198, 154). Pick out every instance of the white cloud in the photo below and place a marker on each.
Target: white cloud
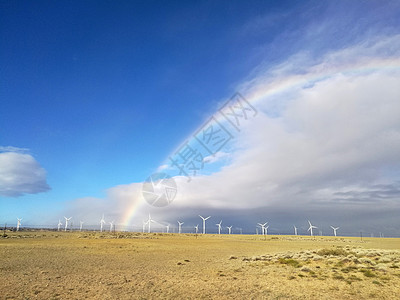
(20, 173)
(327, 146)
(13, 149)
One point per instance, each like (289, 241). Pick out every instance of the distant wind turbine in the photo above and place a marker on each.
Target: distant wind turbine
(334, 229)
(229, 229)
(149, 223)
(111, 225)
(262, 227)
(18, 223)
(266, 230)
(180, 226)
(66, 222)
(204, 223)
(59, 225)
(295, 230)
(144, 225)
(196, 228)
(167, 226)
(80, 227)
(102, 222)
(219, 227)
(311, 228)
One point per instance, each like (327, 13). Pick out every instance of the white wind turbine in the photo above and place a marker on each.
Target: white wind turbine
(80, 227)
(266, 230)
(262, 227)
(66, 222)
(196, 228)
(144, 225)
(229, 229)
(334, 229)
(219, 227)
(204, 223)
(111, 225)
(180, 226)
(167, 228)
(149, 222)
(102, 222)
(59, 225)
(18, 223)
(295, 230)
(311, 228)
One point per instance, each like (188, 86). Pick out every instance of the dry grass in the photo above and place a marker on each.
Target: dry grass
(52, 265)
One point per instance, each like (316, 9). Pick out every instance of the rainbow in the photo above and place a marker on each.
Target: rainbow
(280, 86)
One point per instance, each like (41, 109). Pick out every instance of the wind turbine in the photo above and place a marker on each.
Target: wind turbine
(196, 228)
(59, 225)
(144, 225)
(334, 229)
(266, 230)
(295, 230)
(102, 222)
(204, 223)
(219, 227)
(229, 228)
(18, 223)
(180, 226)
(66, 222)
(311, 228)
(111, 225)
(149, 221)
(80, 228)
(167, 228)
(262, 227)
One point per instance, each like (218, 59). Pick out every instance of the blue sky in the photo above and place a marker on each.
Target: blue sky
(101, 93)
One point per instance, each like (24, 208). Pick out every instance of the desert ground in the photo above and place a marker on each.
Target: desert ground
(94, 265)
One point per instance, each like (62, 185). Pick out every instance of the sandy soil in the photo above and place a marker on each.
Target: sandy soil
(87, 265)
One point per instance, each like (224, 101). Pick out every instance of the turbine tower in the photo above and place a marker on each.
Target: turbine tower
(295, 230)
(334, 229)
(102, 222)
(196, 228)
(80, 227)
(266, 230)
(111, 225)
(59, 225)
(180, 226)
(311, 228)
(229, 229)
(66, 222)
(144, 225)
(18, 223)
(167, 228)
(219, 227)
(149, 222)
(262, 227)
(204, 223)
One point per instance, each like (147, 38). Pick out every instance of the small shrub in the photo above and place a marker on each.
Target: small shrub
(333, 252)
(337, 276)
(349, 269)
(377, 282)
(290, 261)
(368, 273)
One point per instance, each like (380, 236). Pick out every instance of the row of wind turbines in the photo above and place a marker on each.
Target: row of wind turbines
(264, 227)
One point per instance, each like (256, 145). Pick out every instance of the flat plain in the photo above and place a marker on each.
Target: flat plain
(94, 265)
